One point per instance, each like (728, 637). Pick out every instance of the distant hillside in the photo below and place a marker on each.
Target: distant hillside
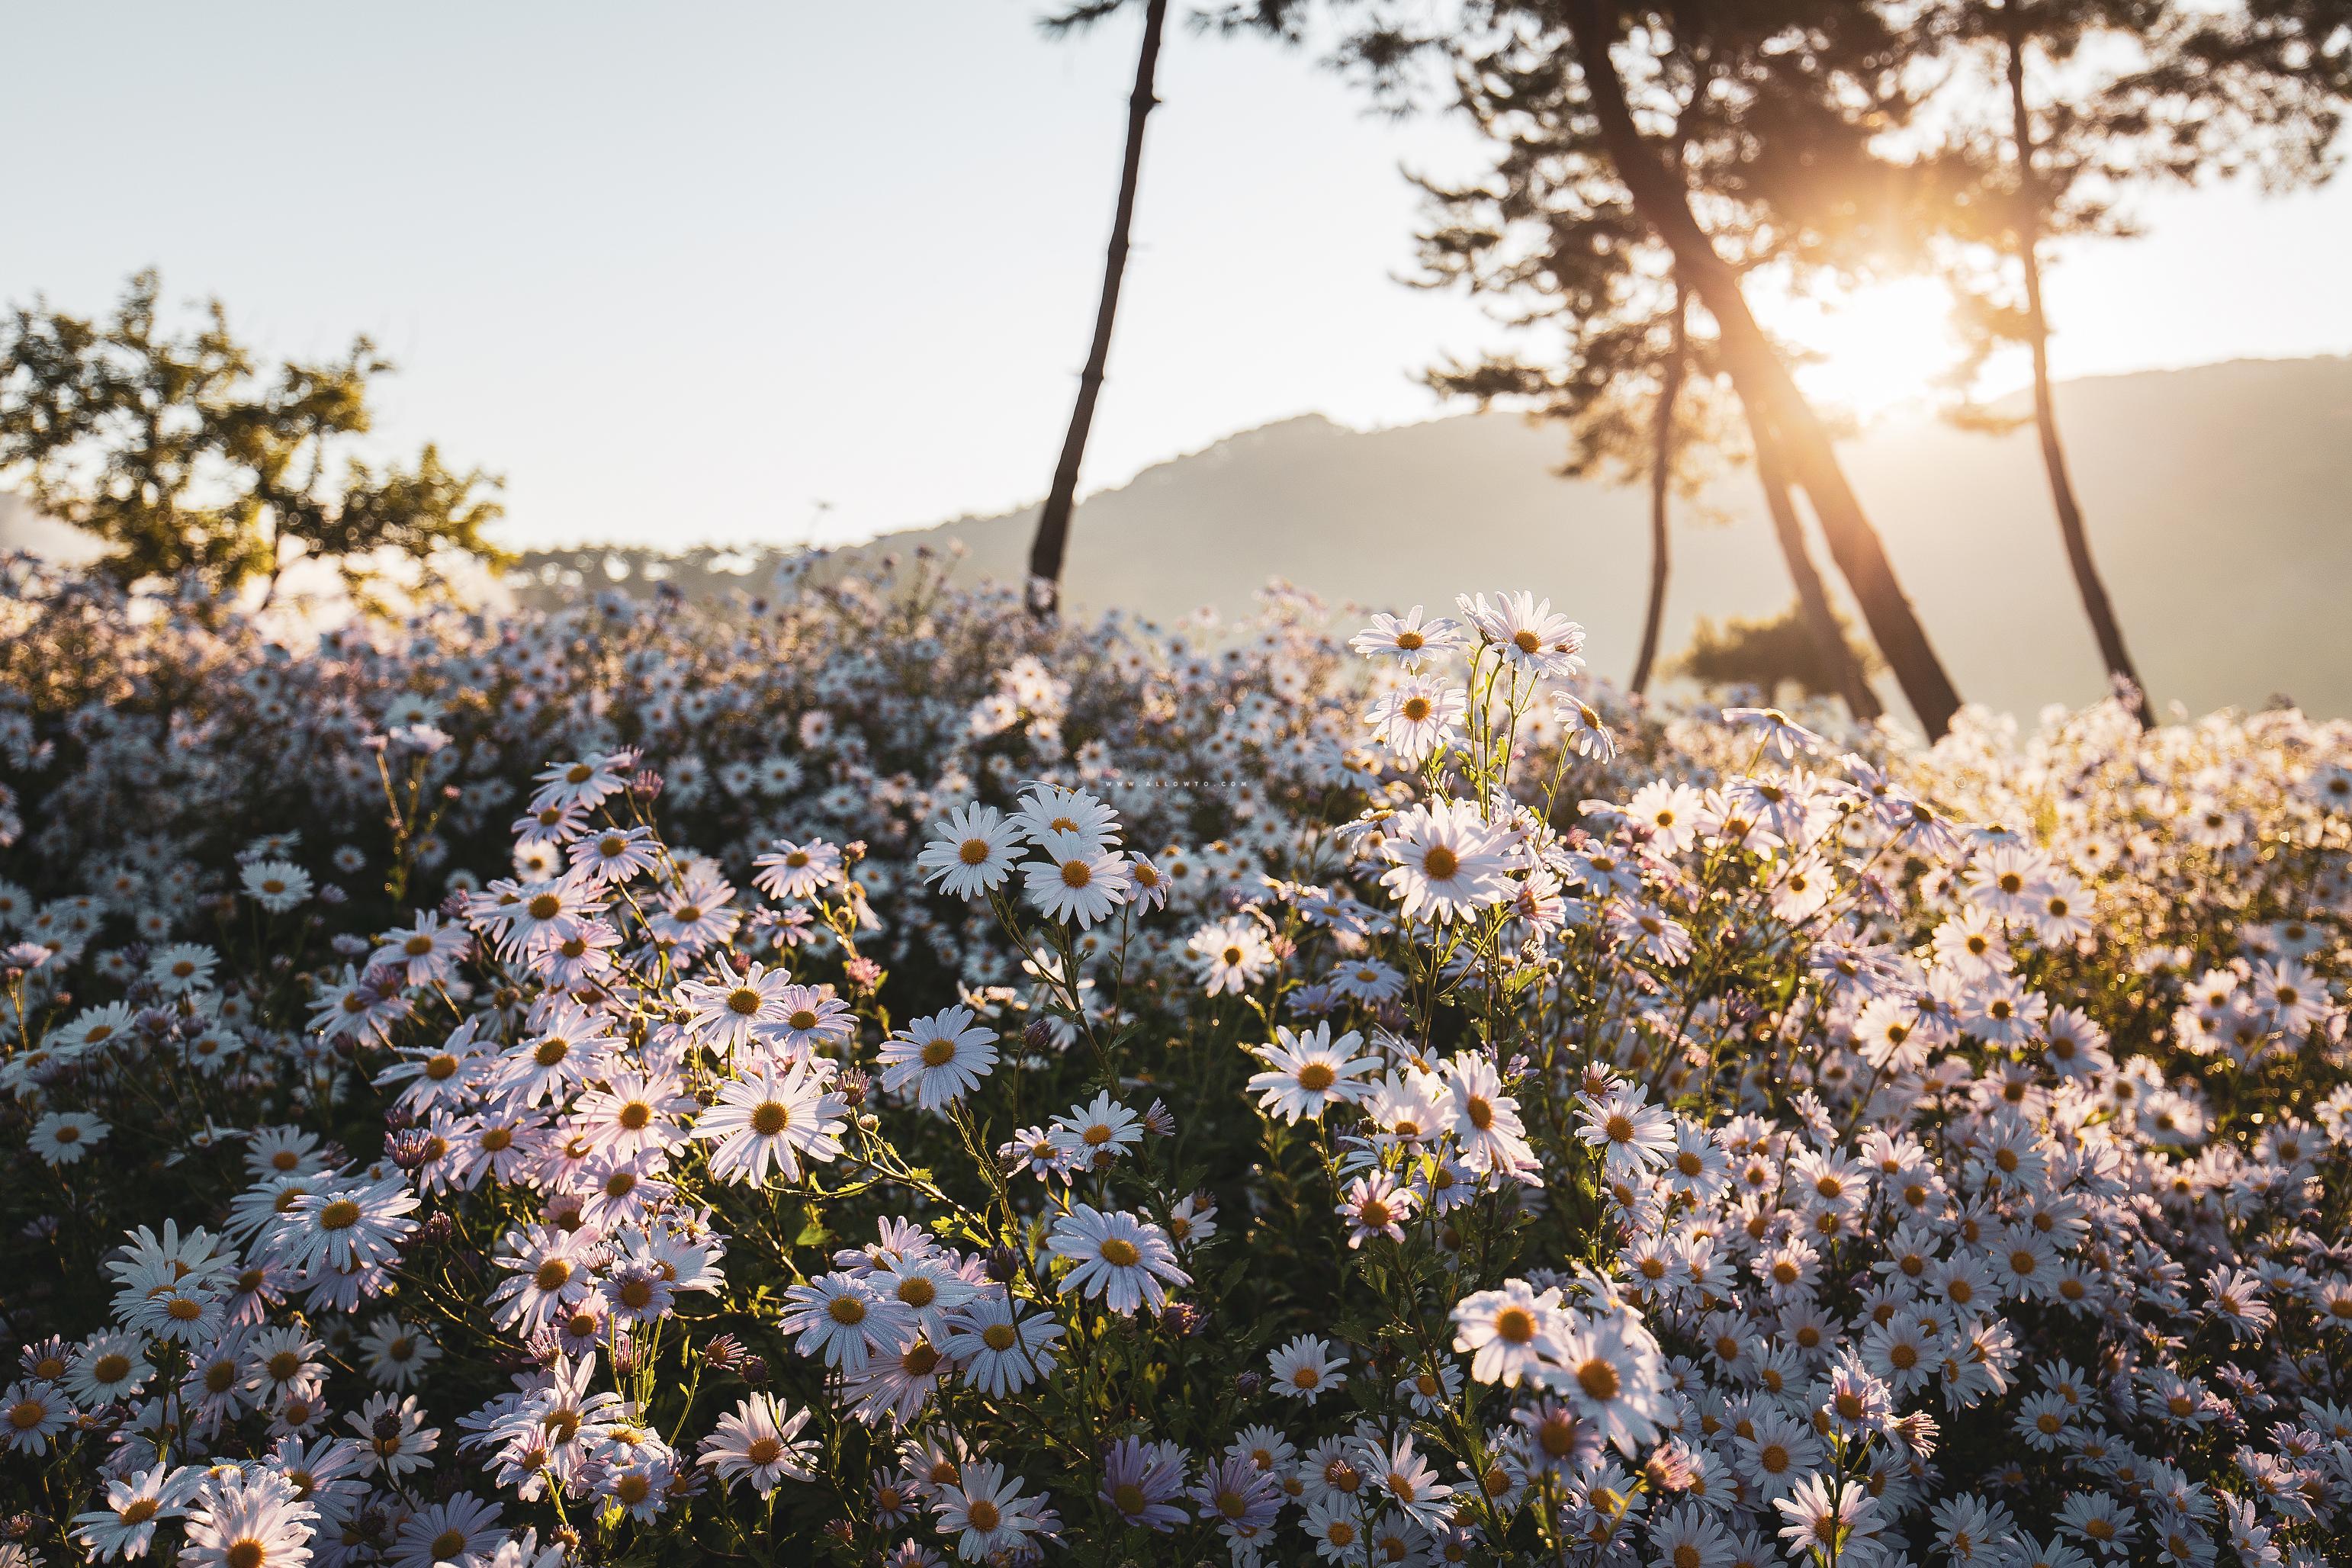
(2219, 499)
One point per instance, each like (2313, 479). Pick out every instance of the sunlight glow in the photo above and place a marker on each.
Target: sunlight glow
(1881, 346)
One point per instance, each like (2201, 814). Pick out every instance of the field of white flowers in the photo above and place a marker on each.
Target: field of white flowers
(861, 1078)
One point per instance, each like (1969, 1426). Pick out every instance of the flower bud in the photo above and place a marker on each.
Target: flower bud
(1183, 1319)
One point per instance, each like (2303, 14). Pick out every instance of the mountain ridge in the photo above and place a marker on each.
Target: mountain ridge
(2248, 462)
(2218, 498)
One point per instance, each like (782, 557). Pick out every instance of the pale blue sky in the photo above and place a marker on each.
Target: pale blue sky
(685, 271)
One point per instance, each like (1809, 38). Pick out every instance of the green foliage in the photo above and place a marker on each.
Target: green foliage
(2059, 111)
(1765, 653)
(190, 461)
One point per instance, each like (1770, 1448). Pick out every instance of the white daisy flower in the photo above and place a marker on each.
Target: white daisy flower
(1309, 1072)
(135, 1505)
(33, 1411)
(942, 1057)
(277, 885)
(1125, 1260)
(1000, 1349)
(1077, 879)
(247, 1519)
(1305, 1368)
(1407, 640)
(971, 852)
(1510, 1332)
(758, 1443)
(772, 1120)
(1526, 632)
(1445, 861)
(63, 1136)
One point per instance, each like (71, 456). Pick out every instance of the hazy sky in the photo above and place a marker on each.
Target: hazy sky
(687, 273)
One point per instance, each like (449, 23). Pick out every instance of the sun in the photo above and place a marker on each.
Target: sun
(1880, 346)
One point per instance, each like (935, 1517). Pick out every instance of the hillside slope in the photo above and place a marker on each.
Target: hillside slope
(2218, 499)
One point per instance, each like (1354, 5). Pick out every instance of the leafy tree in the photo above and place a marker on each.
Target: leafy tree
(190, 463)
(2065, 106)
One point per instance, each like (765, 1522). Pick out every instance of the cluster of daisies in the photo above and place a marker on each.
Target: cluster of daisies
(1111, 1095)
(851, 712)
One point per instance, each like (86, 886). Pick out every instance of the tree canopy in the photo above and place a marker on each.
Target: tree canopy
(190, 461)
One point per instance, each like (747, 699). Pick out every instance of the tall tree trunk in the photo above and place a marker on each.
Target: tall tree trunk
(1764, 383)
(1662, 475)
(1812, 599)
(2087, 582)
(1053, 523)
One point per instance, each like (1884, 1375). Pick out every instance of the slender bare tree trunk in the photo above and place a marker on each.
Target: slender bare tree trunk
(1052, 537)
(1764, 383)
(2087, 581)
(1813, 598)
(1661, 475)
